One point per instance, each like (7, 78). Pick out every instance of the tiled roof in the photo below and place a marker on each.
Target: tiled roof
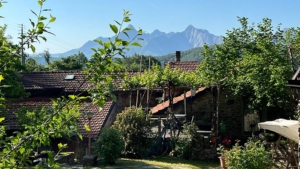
(185, 66)
(177, 99)
(56, 80)
(97, 121)
(52, 80)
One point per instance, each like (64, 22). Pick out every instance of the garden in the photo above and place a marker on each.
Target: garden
(130, 142)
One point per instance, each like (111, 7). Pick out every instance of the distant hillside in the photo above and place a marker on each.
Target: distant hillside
(157, 43)
(188, 55)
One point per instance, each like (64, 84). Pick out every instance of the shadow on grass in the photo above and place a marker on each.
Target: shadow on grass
(162, 162)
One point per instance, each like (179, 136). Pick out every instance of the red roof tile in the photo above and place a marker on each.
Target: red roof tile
(97, 121)
(177, 99)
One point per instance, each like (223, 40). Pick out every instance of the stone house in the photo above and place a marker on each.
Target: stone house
(201, 106)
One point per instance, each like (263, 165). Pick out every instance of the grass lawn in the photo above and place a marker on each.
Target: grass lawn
(163, 162)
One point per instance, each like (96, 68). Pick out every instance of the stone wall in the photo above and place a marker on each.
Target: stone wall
(203, 106)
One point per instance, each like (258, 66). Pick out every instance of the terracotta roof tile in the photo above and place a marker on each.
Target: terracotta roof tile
(177, 99)
(97, 121)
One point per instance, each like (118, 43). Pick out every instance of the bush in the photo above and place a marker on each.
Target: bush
(109, 145)
(188, 145)
(253, 155)
(135, 128)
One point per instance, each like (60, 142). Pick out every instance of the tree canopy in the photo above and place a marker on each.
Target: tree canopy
(74, 62)
(253, 62)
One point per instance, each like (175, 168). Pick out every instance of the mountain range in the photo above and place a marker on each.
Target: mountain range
(156, 43)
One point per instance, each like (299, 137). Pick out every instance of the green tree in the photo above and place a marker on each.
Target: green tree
(33, 66)
(10, 63)
(73, 62)
(47, 56)
(253, 63)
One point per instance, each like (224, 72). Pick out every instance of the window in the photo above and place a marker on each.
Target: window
(69, 77)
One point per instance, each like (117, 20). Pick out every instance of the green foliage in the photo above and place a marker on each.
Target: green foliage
(9, 63)
(47, 56)
(194, 54)
(102, 71)
(73, 62)
(109, 145)
(35, 116)
(134, 62)
(253, 155)
(188, 145)
(253, 63)
(33, 66)
(162, 77)
(48, 122)
(135, 128)
(58, 121)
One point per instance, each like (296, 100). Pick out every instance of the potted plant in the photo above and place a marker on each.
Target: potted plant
(226, 142)
(213, 137)
(222, 152)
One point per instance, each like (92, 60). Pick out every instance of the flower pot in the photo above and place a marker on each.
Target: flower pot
(213, 139)
(223, 162)
(227, 148)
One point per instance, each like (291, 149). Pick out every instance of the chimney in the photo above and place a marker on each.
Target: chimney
(177, 59)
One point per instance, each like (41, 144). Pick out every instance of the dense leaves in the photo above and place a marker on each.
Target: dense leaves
(73, 62)
(102, 70)
(33, 66)
(158, 77)
(188, 145)
(253, 155)
(253, 62)
(109, 145)
(135, 128)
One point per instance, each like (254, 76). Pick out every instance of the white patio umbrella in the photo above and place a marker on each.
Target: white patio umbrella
(286, 128)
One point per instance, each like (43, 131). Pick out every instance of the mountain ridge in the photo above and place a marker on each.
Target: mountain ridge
(156, 43)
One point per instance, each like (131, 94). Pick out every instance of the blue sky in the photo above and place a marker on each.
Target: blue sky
(81, 20)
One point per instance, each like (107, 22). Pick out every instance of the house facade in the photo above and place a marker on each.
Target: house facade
(210, 109)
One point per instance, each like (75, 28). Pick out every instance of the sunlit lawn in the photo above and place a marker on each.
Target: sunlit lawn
(163, 162)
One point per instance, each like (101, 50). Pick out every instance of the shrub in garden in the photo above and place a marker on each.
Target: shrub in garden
(253, 155)
(188, 144)
(109, 145)
(135, 128)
